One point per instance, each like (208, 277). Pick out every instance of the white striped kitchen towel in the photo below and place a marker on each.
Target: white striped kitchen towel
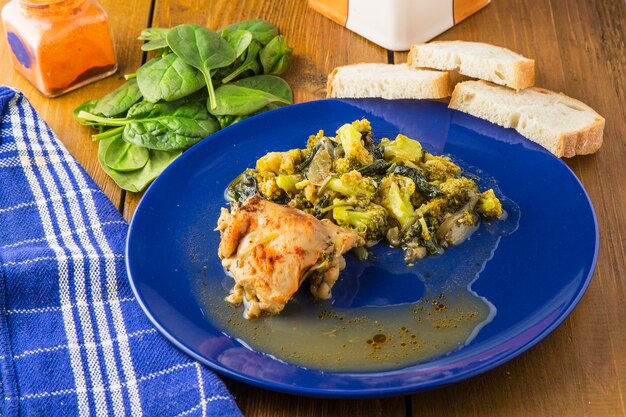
(73, 340)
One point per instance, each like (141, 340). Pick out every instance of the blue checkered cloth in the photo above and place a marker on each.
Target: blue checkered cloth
(73, 339)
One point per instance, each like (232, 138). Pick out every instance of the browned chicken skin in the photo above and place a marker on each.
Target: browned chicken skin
(271, 249)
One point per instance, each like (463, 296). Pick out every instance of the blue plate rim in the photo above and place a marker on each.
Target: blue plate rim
(366, 392)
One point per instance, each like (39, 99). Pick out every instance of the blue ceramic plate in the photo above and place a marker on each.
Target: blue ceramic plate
(533, 276)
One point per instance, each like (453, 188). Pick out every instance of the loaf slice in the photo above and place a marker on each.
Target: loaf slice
(561, 124)
(387, 81)
(477, 60)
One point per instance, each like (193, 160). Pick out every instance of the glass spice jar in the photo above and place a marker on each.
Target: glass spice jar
(59, 45)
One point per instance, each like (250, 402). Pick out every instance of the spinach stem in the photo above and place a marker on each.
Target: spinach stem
(108, 134)
(107, 121)
(209, 84)
(235, 73)
(130, 76)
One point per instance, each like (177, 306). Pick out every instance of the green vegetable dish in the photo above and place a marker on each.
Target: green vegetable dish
(197, 82)
(391, 190)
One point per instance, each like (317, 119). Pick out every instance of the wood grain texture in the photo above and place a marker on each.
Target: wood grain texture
(579, 370)
(126, 21)
(578, 45)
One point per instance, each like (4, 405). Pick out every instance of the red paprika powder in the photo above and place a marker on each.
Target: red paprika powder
(59, 45)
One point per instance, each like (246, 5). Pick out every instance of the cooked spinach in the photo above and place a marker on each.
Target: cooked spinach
(163, 109)
(378, 168)
(202, 48)
(429, 190)
(242, 187)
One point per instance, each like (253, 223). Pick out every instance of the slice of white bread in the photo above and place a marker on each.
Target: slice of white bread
(561, 124)
(387, 81)
(477, 60)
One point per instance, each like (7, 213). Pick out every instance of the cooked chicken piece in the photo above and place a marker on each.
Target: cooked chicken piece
(271, 249)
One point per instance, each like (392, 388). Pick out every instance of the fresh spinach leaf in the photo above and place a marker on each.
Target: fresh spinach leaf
(250, 63)
(138, 139)
(232, 99)
(123, 156)
(239, 40)
(156, 38)
(275, 56)
(154, 45)
(270, 84)
(229, 119)
(169, 126)
(262, 30)
(137, 180)
(119, 100)
(162, 126)
(168, 78)
(87, 107)
(153, 34)
(203, 49)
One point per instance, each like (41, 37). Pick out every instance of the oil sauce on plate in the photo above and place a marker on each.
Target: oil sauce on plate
(382, 315)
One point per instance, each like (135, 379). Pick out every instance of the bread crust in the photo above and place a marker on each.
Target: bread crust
(329, 82)
(524, 69)
(441, 87)
(524, 75)
(584, 141)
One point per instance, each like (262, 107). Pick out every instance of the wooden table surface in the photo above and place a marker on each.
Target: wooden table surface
(578, 45)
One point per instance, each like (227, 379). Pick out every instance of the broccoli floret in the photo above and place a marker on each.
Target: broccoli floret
(353, 146)
(280, 162)
(370, 223)
(489, 205)
(351, 184)
(458, 191)
(343, 165)
(269, 188)
(402, 149)
(395, 196)
(362, 125)
(439, 168)
(313, 139)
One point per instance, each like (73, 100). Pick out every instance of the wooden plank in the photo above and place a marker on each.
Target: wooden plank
(127, 20)
(258, 402)
(581, 368)
(313, 58)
